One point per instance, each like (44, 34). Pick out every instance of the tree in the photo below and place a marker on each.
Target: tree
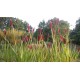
(75, 33)
(17, 23)
(42, 24)
(46, 29)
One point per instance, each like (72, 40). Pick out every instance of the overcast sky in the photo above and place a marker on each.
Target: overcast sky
(34, 11)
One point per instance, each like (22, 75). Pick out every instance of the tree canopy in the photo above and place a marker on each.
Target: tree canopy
(17, 23)
(75, 33)
(46, 29)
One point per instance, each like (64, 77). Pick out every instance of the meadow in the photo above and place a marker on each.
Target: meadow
(19, 46)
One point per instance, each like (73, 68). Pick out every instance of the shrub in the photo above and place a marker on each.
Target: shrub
(13, 36)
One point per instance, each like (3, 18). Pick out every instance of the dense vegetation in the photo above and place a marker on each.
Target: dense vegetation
(75, 33)
(46, 30)
(50, 42)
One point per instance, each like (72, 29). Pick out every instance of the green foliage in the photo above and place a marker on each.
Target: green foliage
(39, 52)
(17, 23)
(75, 33)
(42, 24)
(46, 29)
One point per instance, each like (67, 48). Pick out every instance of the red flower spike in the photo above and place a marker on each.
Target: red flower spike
(32, 30)
(56, 21)
(26, 39)
(30, 47)
(28, 28)
(49, 45)
(62, 39)
(40, 37)
(50, 24)
(4, 31)
(40, 31)
(23, 39)
(11, 23)
(58, 30)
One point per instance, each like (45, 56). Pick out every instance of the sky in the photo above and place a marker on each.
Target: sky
(34, 11)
